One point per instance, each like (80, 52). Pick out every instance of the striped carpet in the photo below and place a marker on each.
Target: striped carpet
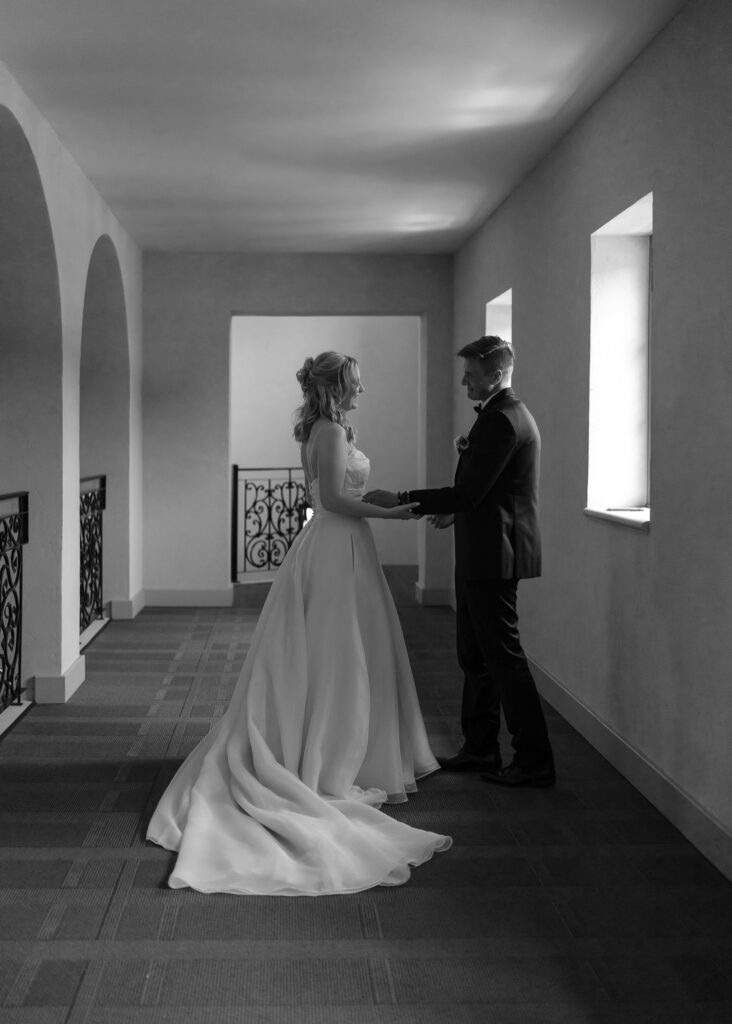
(579, 905)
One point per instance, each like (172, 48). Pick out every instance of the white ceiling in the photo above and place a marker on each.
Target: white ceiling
(315, 125)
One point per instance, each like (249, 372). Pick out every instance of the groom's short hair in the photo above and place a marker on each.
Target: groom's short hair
(494, 353)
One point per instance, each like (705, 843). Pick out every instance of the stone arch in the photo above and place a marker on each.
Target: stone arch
(31, 395)
(104, 408)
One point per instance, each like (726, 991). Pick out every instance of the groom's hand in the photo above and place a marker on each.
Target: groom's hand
(384, 499)
(441, 521)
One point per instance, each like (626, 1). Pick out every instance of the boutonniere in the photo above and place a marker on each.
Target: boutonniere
(461, 444)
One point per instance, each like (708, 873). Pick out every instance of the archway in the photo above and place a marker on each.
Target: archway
(31, 428)
(104, 412)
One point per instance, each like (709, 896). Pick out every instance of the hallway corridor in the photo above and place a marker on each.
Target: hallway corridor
(577, 905)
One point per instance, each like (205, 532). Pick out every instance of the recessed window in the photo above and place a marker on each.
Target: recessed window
(498, 316)
(619, 443)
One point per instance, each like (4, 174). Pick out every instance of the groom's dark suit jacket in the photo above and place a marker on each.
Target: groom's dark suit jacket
(495, 496)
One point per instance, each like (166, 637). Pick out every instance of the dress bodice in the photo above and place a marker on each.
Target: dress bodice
(358, 467)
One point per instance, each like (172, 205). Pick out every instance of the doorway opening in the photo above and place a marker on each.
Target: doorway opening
(265, 353)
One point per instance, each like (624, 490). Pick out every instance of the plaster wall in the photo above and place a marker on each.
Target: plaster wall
(265, 354)
(634, 626)
(77, 218)
(188, 304)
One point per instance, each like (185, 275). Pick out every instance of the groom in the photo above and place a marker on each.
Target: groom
(494, 508)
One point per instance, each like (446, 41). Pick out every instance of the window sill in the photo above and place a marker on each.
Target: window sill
(636, 519)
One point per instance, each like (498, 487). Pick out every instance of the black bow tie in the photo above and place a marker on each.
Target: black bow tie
(478, 408)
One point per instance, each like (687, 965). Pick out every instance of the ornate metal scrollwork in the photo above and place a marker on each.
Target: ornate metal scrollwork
(92, 504)
(13, 535)
(274, 513)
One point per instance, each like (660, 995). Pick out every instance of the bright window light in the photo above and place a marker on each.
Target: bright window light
(617, 485)
(498, 316)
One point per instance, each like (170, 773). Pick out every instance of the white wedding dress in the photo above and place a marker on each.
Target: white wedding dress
(324, 726)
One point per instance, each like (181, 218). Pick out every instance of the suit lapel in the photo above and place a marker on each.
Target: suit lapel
(493, 401)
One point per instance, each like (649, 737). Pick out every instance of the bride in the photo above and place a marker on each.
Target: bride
(282, 797)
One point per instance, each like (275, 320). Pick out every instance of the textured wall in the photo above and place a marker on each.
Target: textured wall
(634, 625)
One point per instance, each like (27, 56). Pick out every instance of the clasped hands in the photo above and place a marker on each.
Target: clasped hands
(386, 499)
(389, 499)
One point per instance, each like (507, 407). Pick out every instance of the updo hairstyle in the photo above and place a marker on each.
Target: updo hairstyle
(324, 381)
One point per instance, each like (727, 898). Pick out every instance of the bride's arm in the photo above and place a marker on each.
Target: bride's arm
(332, 453)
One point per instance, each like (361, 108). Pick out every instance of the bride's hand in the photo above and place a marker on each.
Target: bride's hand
(402, 511)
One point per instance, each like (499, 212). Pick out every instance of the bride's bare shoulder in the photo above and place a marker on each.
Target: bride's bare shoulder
(326, 440)
(328, 430)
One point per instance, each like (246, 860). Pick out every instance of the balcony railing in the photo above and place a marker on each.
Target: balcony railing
(269, 507)
(93, 501)
(13, 535)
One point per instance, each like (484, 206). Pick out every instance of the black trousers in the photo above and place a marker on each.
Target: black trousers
(497, 675)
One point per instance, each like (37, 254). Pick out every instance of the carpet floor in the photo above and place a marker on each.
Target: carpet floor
(574, 905)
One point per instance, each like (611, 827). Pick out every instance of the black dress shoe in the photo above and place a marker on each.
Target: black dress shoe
(464, 762)
(512, 775)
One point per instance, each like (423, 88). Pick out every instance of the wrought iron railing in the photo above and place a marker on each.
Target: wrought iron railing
(93, 501)
(13, 535)
(269, 508)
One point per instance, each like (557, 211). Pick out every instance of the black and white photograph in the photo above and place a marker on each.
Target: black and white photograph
(365, 533)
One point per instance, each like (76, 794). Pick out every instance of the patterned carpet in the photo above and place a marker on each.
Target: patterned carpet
(579, 905)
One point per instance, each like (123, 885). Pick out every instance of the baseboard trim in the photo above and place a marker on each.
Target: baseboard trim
(128, 609)
(431, 596)
(700, 827)
(91, 631)
(12, 713)
(59, 689)
(190, 598)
